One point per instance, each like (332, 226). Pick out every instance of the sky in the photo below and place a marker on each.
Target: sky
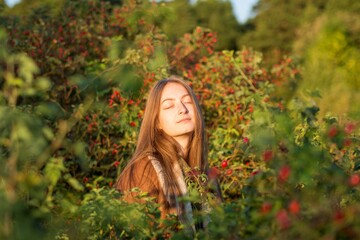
(242, 8)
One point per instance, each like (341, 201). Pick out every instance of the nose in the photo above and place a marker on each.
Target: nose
(182, 109)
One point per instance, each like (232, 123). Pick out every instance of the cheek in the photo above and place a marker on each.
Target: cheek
(160, 122)
(164, 119)
(192, 110)
(192, 114)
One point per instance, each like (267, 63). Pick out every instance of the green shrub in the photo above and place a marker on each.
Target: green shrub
(69, 125)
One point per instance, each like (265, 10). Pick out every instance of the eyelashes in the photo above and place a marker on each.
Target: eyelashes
(173, 105)
(168, 107)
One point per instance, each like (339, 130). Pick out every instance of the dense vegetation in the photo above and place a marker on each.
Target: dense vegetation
(73, 84)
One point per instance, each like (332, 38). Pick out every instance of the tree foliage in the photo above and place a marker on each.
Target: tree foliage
(275, 25)
(323, 35)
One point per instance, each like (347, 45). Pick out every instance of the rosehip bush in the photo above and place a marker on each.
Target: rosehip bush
(73, 91)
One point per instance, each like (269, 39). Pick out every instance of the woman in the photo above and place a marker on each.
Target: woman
(171, 144)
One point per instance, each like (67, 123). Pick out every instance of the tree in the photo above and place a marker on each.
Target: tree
(179, 13)
(26, 7)
(219, 17)
(215, 15)
(329, 47)
(273, 30)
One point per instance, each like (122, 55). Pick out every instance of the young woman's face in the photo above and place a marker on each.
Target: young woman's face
(176, 115)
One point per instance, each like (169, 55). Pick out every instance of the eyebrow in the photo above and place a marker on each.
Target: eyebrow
(172, 99)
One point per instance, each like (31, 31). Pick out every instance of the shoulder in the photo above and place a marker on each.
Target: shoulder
(146, 167)
(139, 173)
(142, 175)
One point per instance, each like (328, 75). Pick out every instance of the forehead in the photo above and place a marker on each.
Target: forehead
(173, 90)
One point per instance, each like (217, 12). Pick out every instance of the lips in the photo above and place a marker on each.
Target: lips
(184, 119)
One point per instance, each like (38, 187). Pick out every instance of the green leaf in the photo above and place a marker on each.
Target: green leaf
(50, 110)
(73, 182)
(53, 170)
(42, 84)
(159, 60)
(27, 68)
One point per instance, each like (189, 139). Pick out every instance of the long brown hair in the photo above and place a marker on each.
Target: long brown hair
(154, 141)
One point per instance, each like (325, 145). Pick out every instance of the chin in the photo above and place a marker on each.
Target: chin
(183, 131)
(188, 131)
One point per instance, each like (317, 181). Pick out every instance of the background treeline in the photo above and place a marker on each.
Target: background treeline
(279, 95)
(323, 35)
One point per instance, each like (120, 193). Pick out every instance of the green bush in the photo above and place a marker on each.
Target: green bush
(69, 124)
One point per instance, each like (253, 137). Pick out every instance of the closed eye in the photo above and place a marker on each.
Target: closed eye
(168, 106)
(187, 99)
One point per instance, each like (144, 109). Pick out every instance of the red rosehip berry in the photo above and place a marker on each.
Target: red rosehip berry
(354, 180)
(339, 216)
(266, 207)
(349, 128)
(284, 173)
(267, 155)
(229, 172)
(245, 140)
(333, 132)
(217, 104)
(111, 103)
(283, 219)
(61, 53)
(116, 163)
(213, 173)
(224, 164)
(347, 142)
(251, 109)
(294, 207)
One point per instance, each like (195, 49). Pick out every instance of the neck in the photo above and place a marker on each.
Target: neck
(183, 141)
